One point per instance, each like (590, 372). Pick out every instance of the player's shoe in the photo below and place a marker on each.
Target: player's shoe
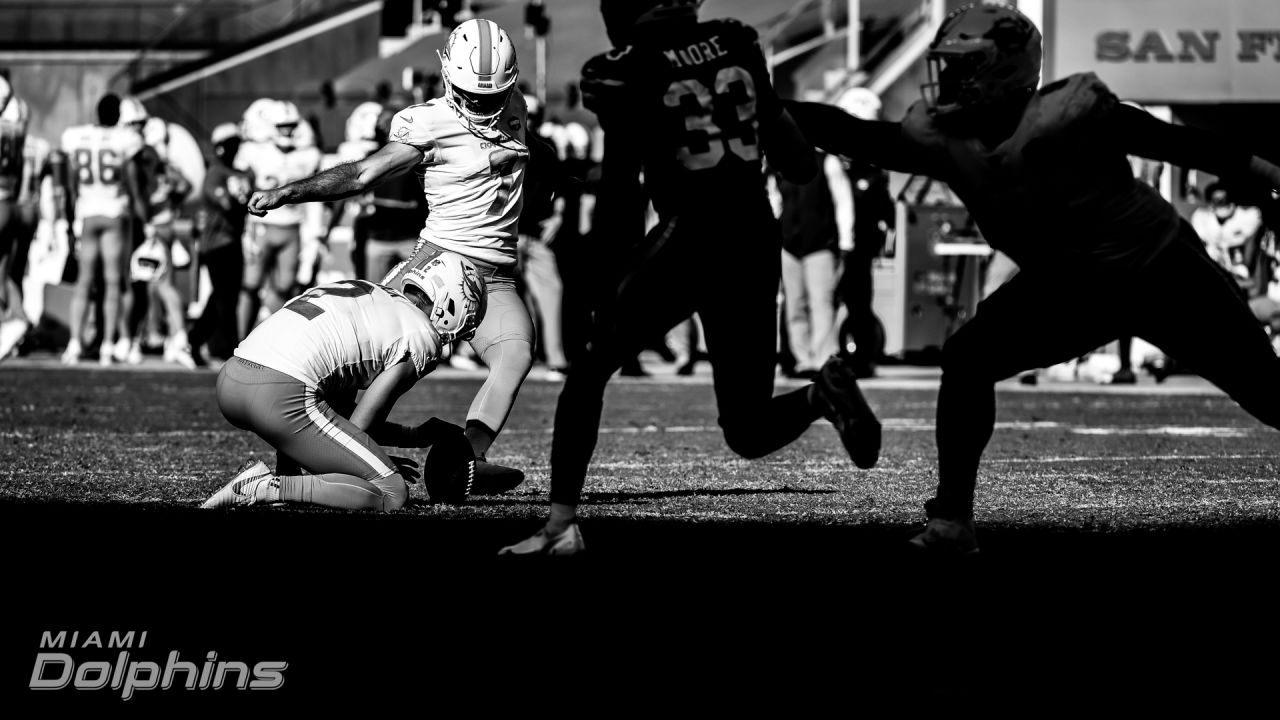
(121, 350)
(71, 355)
(568, 542)
(1123, 376)
(252, 483)
(493, 479)
(947, 537)
(105, 354)
(11, 334)
(178, 350)
(134, 356)
(842, 403)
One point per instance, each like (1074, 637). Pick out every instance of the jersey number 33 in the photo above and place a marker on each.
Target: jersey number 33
(717, 120)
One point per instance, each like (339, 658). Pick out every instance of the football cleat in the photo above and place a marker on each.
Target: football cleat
(842, 403)
(104, 354)
(177, 350)
(947, 537)
(71, 355)
(567, 542)
(252, 483)
(494, 479)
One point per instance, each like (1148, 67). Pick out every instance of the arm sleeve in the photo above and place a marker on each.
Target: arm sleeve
(411, 128)
(1139, 133)
(874, 142)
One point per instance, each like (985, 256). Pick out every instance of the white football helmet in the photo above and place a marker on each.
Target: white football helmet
(155, 132)
(256, 126)
(457, 294)
(362, 126)
(479, 71)
(16, 111)
(133, 113)
(6, 95)
(285, 120)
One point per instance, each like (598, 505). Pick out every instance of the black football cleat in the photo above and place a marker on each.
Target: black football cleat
(843, 404)
(491, 479)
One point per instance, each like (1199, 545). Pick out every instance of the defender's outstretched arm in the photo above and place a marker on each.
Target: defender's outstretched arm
(875, 142)
(342, 181)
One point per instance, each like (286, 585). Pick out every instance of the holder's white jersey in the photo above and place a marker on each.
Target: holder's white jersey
(272, 167)
(342, 335)
(97, 157)
(473, 177)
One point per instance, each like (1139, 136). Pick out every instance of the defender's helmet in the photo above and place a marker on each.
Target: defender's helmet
(362, 126)
(622, 17)
(133, 114)
(479, 71)
(983, 55)
(457, 295)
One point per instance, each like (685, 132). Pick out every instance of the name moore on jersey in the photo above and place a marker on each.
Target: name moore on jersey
(472, 177)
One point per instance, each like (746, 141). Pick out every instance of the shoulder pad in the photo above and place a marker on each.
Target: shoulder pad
(1071, 101)
(735, 27)
(605, 79)
(413, 125)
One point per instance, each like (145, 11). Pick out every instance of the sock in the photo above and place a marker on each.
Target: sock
(480, 436)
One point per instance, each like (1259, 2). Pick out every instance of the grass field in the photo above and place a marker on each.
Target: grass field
(1103, 513)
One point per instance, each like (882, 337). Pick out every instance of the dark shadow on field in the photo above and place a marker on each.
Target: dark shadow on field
(359, 600)
(640, 498)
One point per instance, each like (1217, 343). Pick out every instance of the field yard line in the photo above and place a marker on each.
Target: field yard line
(1129, 458)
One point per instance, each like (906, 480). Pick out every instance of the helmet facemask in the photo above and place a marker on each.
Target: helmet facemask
(983, 56)
(478, 69)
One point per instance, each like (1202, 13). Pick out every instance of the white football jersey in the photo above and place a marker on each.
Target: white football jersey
(342, 335)
(35, 163)
(473, 178)
(97, 157)
(271, 168)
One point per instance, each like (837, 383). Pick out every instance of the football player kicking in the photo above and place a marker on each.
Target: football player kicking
(293, 382)
(1113, 257)
(690, 104)
(470, 148)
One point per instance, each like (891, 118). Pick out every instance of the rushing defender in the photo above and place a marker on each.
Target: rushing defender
(691, 105)
(1111, 257)
(294, 380)
(470, 148)
(13, 226)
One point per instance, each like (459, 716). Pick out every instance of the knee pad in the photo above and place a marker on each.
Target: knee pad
(743, 439)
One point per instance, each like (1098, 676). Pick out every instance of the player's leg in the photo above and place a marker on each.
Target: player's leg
(1191, 308)
(89, 259)
(257, 259)
(820, 275)
(795, 303)
(13, 318)
(737, 303)
(651, 299)
(282, 281)
(538, 264)
(1037, 319)
(504, 341)
(177, 349)
(115, 249)
(344, 468)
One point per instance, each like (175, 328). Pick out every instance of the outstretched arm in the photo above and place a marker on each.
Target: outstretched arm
(342, 181)
(874, 142)
(1139, 133)
(787, 149)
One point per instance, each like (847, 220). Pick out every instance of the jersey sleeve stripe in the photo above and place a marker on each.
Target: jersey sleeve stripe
(330, 429)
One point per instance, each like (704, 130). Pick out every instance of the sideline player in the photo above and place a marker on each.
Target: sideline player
(151, 264)
(273, 242)
(690, 103)
(293, 382)
(1113, 257)
(104, 181)
(15, 231)
(470, 148)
